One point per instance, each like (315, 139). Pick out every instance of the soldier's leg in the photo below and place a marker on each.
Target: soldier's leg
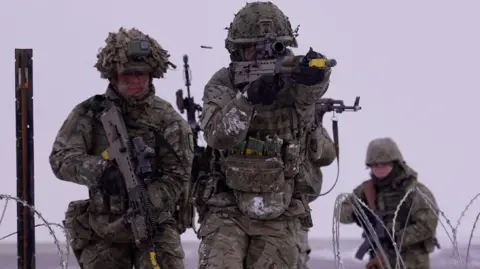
(168, 249)
(303, 248)
(274, 252)
(102, 255)
(223, 244)
(417, 258)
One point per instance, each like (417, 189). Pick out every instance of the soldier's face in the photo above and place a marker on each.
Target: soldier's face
(249, 53)
(381, 170)
(134, 85)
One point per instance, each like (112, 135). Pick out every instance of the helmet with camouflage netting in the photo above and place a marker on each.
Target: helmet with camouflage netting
(259, 22)
(131, 51)
(383, 150)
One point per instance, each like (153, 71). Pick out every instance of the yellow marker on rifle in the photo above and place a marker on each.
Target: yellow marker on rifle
(105, 155)
(322, 63)
(153, 260)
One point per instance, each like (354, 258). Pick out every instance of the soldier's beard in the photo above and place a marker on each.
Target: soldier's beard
(133, 90)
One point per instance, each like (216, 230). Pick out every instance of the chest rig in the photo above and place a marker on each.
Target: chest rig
(261, 170)
(388, 201)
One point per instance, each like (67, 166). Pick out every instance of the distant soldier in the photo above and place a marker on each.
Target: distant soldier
(130, 61)
(417, 219)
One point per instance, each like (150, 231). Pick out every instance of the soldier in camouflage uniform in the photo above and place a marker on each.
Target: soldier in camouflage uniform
(130, 60)
(304, 248)
(417, 220)
(268, 149)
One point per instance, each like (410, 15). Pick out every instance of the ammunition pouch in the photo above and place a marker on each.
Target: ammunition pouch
(259, 185)
(184, 213)
(77, 226)
(206, 187)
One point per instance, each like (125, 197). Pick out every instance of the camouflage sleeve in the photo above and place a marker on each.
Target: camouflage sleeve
(175, 166)
(69, 158)
(226, 113)
(347, 207)
(423, 219)
(322, 149)
(308, 95)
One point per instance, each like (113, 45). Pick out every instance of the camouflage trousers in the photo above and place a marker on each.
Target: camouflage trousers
(303, 248)
(104, 255)
(231, 243)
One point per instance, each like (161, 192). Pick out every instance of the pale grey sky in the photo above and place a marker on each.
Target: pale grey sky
(414, 64)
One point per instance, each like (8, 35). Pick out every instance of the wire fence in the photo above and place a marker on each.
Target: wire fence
(359, 210)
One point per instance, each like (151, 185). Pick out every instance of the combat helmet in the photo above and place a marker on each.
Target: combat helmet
(259, 22)
(131, 51)
(383, 150)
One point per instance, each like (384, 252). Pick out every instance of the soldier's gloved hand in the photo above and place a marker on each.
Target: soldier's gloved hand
(263, 90)
(311, 75)
(375, 263)
(112, 181)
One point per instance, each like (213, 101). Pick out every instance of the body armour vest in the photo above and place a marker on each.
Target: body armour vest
(261, 170)
(389, 198)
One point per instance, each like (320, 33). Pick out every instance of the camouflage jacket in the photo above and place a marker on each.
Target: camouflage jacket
(76, 152)
(417, 219)
(228, 118)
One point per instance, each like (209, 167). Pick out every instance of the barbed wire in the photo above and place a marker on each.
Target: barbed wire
(62, 254)
(360, 210)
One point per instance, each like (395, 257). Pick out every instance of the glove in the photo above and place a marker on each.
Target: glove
(264, 90)
(112, 181)
(311, 75)
(375, 263)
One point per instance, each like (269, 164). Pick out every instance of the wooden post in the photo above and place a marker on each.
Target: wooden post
(25, 157)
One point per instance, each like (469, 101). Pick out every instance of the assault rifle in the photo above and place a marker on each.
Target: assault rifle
(131, 157)
(248, 71)
(188, 104)
(370, 196)
(338, 106)
(185, 211)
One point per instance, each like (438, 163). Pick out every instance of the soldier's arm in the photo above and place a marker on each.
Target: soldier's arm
(226, 113)
(175, 166)
(306, 95)
(347, 214)
(322, 148)
(69, 158)
(424, 219)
